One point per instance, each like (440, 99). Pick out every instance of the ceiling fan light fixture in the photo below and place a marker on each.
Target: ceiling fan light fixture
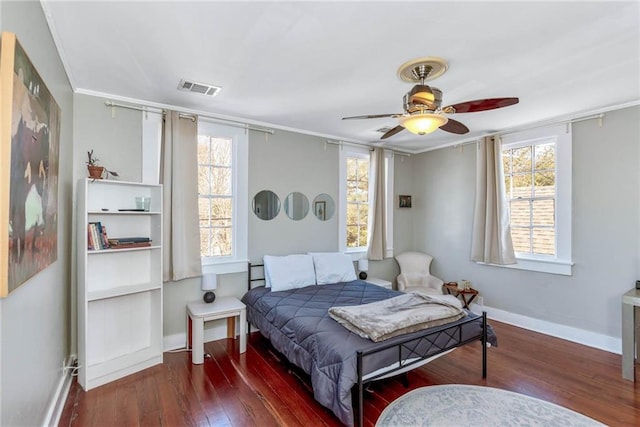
(423, 123)
(423, 113)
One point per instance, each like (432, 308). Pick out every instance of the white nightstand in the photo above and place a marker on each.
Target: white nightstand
(380, 282)
(222, 308)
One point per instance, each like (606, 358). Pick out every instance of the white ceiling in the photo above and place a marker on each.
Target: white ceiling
(305, 65)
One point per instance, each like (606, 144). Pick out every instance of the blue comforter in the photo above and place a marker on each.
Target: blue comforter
(298, 325)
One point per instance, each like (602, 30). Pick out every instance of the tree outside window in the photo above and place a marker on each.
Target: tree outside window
(357, 201)
(215, 201)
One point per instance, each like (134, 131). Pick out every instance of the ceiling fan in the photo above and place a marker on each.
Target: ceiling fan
(423, 113)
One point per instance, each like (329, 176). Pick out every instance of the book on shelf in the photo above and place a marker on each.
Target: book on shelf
(89, 239)
(126, 240)
(129, 242)
(97, 236)
(105, 239)
(92, 237)
(131, 245)
(97, 239)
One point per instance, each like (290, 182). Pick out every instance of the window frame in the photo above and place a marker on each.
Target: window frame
(237, 261)
(561, 136)
(346, 151)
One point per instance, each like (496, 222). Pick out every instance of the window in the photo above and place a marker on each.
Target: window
(222, 197)
(530, 183)
(215, 195)
(537, 173)
(357, 182)
(357, 201)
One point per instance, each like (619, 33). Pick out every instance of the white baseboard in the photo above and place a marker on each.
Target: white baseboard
(56, 405)
(569, 333)
(177, 341)
(174, 342)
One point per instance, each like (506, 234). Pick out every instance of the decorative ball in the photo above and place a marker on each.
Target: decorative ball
(363, 275)
(209, 297)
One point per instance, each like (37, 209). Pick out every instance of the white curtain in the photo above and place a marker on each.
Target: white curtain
(491, 239)
(179, 175)
(378, 230)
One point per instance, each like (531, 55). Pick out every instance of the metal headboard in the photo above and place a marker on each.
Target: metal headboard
(250, 280)
(251, 277)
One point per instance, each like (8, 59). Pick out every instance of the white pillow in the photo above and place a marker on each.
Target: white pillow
(266, 261)
(288, 272)
(333, 267)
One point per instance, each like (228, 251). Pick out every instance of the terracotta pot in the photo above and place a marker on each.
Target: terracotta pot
(95, 172)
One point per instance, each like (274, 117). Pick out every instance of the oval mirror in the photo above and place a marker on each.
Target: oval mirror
(323, 207)
(266, 205)
(296, 206)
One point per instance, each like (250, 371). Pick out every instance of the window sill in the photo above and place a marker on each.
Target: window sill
(225, 267)
(358, 254)
(563, 268)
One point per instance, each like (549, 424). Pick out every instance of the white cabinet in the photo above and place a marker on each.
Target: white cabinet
(119, 290)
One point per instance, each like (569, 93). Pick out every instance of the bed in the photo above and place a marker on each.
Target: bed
(297, 323)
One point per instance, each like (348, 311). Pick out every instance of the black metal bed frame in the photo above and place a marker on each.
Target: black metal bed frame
(453, 336)
(408, 353)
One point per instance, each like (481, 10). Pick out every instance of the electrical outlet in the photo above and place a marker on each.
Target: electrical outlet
(480, 300)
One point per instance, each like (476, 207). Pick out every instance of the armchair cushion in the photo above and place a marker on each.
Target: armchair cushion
(415, 275)
(422, 280)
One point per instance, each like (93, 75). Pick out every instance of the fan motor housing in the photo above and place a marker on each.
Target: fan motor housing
(413, 102)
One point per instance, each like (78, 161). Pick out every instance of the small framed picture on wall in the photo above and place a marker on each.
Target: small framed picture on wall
(319, 209)
(404, 201)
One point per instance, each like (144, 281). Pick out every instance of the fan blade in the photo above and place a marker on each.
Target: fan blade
(455, 126)
(481, 105)
(392, 132)
(372, 116)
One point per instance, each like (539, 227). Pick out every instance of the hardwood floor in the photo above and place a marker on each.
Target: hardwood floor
(256, 388)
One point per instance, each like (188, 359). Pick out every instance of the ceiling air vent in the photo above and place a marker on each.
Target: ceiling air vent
(203, 88)
(384, 129)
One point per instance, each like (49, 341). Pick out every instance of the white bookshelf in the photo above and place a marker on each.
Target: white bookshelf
(119, 290)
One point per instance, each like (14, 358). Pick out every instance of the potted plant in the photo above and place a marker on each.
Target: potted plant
(96, 171)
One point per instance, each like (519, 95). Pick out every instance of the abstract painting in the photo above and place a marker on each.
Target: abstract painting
(29, 147)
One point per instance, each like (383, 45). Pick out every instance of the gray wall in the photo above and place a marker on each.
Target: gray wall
(34, 319)
(115, 139)
(287, 162)
(284, 163)
(606, 226)
(404, 167)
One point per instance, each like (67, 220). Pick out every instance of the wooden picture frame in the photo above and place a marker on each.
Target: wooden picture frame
(404, 201)
(29, 159)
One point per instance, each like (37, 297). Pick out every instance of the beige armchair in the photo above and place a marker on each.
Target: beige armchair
(415, 275)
